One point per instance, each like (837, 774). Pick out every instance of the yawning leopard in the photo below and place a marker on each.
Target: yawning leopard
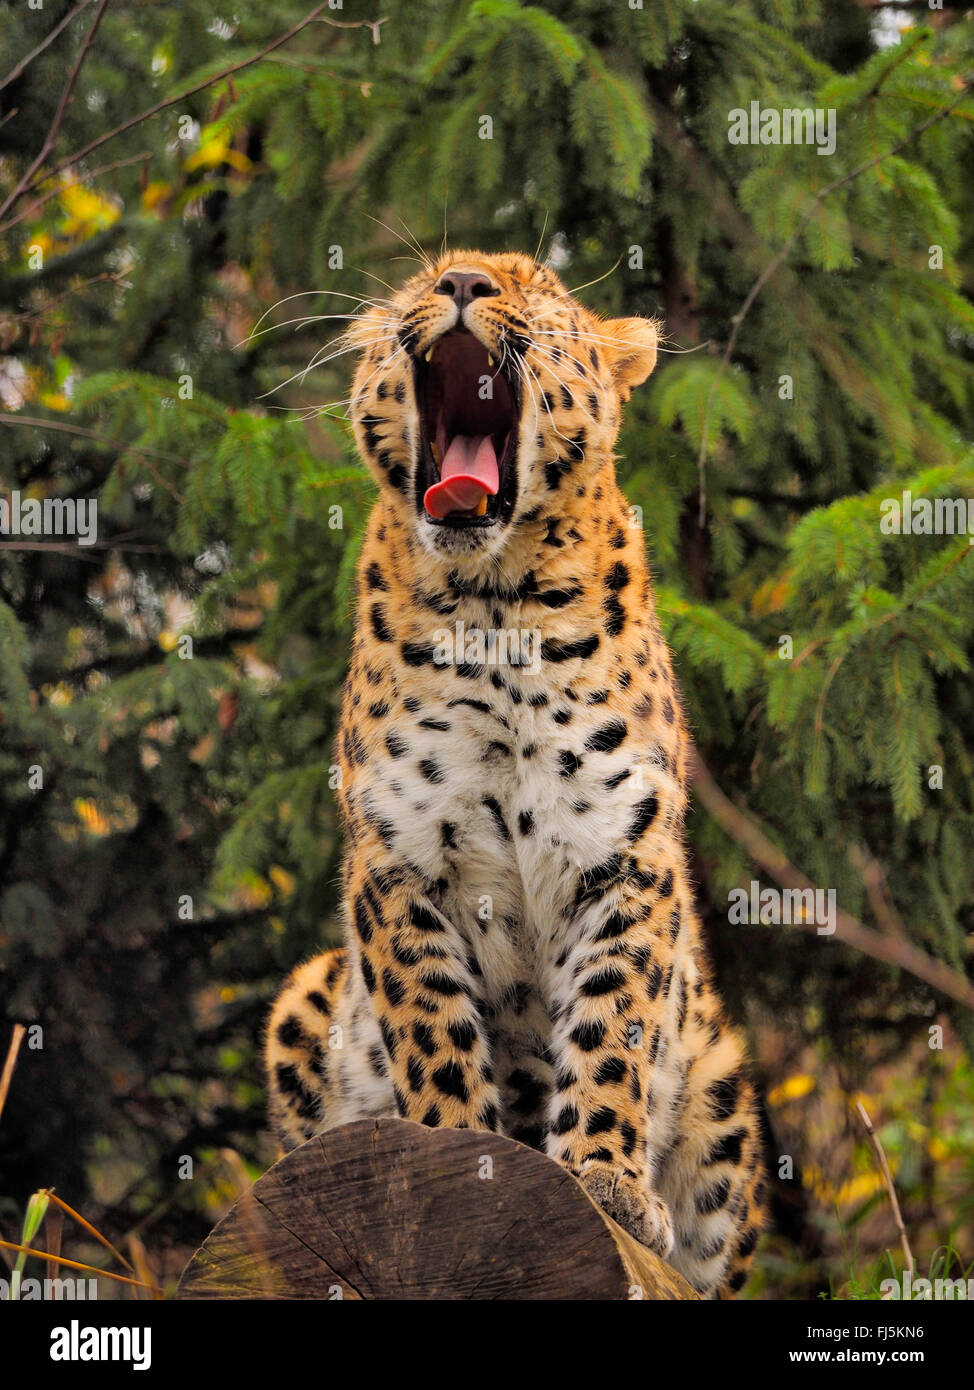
(522, 948)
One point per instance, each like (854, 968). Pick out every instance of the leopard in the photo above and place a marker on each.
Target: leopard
(522, 949)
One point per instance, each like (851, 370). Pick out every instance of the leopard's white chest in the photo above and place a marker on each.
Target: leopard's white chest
(501, 809)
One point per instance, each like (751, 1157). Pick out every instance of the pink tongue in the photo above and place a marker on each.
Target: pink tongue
(468, 471)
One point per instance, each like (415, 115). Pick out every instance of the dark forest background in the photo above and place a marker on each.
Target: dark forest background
(187, 208)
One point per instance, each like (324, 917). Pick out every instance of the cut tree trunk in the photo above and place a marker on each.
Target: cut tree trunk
(387, 1209)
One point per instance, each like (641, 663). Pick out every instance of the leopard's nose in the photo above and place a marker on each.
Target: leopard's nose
(463, 286)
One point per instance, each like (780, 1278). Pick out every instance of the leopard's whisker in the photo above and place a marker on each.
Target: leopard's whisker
(339, 294)
(310, 318)
(319, 361)
(377, 278)
(544, 228)
(408, 240)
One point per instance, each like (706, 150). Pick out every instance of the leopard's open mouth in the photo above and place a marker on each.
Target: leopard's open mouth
(469, 408)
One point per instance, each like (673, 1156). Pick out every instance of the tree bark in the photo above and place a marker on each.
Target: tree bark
(387, 1209)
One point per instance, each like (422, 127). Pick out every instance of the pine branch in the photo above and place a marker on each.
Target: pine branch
(103, 441)
(15, 71)
(62, 107)
(94, 248)
(744, 828)
(38, 203)
(29, 181)
(782, 255)
(874, 882)
(37, 316)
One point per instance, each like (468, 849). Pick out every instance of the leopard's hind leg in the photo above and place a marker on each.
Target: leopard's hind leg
(712, 1176)
(323, 1055)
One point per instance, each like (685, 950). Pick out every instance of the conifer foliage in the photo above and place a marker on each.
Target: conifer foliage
(179, 245)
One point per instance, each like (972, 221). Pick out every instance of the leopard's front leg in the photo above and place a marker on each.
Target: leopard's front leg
(416, 970)
(610, 991)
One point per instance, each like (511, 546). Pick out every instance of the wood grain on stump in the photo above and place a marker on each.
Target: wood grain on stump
(387, 1209)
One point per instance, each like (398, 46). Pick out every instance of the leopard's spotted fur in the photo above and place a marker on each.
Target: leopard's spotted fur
(522, 950)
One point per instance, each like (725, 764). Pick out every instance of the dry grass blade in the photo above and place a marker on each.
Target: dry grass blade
(53, 1230)
(16, 1038)
(140, 1258)
(76, 1216)
(888, 1176)
(73, 1264)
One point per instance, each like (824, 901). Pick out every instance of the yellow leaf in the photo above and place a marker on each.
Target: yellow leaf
(794, 1088)
(154, 194)
(88, 211)
(91, 818)
(282, 880)
(255, 891)
(856, 1189)
(214, 152)
(860, 1188)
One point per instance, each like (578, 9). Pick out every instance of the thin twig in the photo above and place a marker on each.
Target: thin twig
(16, 1038)
(780, 257)
(62, 107)
(39, 314)
(37, 203)
(36, 422)
(163, 105)
(92, 1230)
(71, 1264)
(372, 24)
(874, 880)
(743, 827)
(15, 72)
(897, 1214)
(78, 552)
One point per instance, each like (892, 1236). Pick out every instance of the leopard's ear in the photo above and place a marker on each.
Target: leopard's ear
(630, 346)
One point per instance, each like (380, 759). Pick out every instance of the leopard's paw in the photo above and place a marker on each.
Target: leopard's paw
(637, 1210)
